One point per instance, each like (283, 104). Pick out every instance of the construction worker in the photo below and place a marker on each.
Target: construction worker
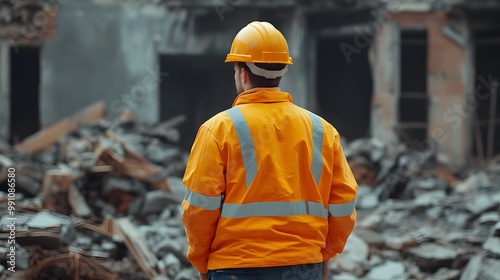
(269, 193)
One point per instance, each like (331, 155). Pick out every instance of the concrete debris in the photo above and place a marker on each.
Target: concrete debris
(79, 182)
(388, 271)
(433, 256)
(472, 183)
(490, 270)
(446, 274)
(108, 195)
(46, 220)
(420, 220)
(482, 203)
(353, 258)
(492, 245)
(489, 217)
(155, 201)
(15, 14)
(367, 198)
(371, 237)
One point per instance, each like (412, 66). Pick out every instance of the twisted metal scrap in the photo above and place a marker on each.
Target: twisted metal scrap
(68, 266)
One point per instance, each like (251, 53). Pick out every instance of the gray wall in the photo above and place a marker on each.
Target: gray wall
(101, 52)
(111, 52)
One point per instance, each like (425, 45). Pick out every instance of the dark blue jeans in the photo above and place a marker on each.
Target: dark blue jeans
(294, 272)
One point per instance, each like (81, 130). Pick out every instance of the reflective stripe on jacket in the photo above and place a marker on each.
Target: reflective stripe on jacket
(267, 184)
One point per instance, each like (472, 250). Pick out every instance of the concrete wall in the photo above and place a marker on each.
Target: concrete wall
(296, 81)
(384, 57)
(101, 52)
(110, 52)
(448, 87)
(449, 83)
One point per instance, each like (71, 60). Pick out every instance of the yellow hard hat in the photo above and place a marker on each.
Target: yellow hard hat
(259, 42)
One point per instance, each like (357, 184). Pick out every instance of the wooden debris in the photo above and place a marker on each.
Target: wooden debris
(142, 254)
(68, 266)
(77, 202)
(46, 137)
(54, 190)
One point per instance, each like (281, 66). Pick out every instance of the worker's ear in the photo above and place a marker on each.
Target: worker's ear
(245, 78)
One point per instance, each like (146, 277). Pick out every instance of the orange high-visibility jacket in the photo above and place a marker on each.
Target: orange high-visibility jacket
(267, 184)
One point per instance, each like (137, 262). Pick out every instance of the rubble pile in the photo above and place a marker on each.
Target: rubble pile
(99, 199)
(419, 220)
(96, 199)
(27, 21)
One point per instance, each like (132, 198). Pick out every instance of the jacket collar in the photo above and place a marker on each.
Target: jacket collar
(262, 95)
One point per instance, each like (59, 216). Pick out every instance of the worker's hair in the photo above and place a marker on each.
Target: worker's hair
(258, 81)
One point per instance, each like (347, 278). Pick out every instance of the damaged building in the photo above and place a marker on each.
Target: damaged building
(100, 101)
(420, 72)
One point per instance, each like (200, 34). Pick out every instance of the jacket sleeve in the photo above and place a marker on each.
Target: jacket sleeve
(205, 183)
(342, 200)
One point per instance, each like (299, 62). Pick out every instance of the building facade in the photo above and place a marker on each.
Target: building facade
(418, 72)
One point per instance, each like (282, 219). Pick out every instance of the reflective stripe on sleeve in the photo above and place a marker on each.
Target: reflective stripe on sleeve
(273, 209)
(317, 135)
(246, 143)
(341, 210)
(202, 201)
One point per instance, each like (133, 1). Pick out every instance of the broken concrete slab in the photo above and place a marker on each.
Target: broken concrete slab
(367, 198)
(446, 274)
(6, 162)
(492, 245)
(390, 270)
(47, 220)
(161, 154)
(125, 184)
(352, 258)
(471, 270)
(171, 264)
(431, 198)
(456, 219)
(400, 242)
(490, 270)
(472, 182)
(495, 230)
(489, 217)
(433, 256)
(154, 202)
(481, 203)
(371, 237)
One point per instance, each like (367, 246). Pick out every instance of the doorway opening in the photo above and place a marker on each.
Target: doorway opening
(344, 85)
(413, 99)
(486, 122)
(24, 92)
(198, 86)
